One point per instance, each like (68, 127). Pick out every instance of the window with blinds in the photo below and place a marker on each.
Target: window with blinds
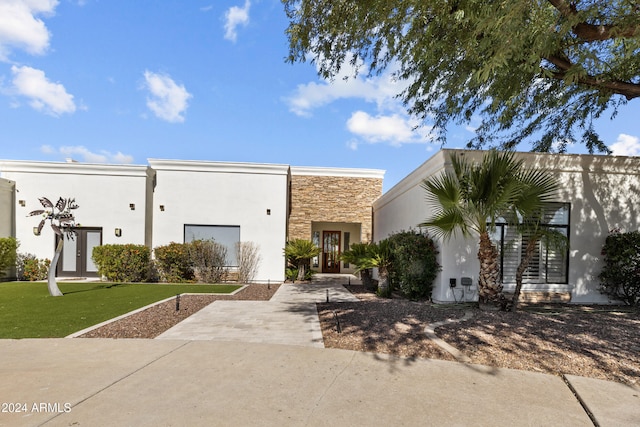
(549, 263)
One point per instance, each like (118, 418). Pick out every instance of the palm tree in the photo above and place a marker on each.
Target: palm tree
(299, 252)
(471, 197)
(534, 229)
(356, 255)
(380, 255)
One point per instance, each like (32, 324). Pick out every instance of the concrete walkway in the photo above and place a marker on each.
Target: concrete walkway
(290, 317)
(103, 382)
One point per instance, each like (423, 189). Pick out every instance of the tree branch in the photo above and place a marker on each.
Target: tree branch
(590, 32)
(626, 89)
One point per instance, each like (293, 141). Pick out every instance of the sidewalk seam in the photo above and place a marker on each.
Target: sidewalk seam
(117, 381)
(581, 401)
(326, 390)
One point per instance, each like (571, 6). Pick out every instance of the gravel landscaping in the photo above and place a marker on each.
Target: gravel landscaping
(591, 341)
(155, 320)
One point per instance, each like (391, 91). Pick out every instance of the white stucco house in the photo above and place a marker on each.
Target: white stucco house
(599, 193)
(227, 202)
(180, 200)
(268, 204)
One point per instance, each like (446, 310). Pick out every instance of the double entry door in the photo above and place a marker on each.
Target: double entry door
(75, 259)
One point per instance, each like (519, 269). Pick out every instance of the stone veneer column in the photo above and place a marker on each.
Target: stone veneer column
(331, 199)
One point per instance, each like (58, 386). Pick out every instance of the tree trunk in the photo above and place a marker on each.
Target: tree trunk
(524, 263)
(367, 280)
(54, 291)
(383, 282)
(301, 272)
(489, 287)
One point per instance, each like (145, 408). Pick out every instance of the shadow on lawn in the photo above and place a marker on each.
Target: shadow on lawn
(97, 287)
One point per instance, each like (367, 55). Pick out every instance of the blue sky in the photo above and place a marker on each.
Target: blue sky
(120, 81)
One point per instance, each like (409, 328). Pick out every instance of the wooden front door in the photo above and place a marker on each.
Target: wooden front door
(331, 252)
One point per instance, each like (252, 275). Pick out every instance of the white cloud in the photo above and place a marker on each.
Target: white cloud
(395, 129)
(47, 149)
(381, 90)
(51, 98)
(626, 145)
(167, 100)
(86, 155)
(234, 17)
(21, 28)
(390, 123)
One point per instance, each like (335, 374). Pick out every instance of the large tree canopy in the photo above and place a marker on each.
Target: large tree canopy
(537, 70)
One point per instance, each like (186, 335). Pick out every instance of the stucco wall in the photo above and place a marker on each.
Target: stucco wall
(603, 192)
(103, 193)
(332, 195)
(7, 189)
(232, 194)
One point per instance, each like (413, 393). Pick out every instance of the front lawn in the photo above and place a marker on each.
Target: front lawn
(27, 310)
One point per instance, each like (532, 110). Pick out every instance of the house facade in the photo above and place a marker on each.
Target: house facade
(269, 204)
(111, 198)
(332, 207)
(179, 201)
(598, 194)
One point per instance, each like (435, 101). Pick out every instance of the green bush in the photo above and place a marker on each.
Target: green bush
(292, 274)
(620, 276)
(123, 263)
(414, 265)
(298, 253)
(173, 262)
(30, 268)
(8, 253)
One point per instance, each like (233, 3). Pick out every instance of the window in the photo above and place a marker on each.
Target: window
(315, 261)
(549, 264)
(226, 235)
(347, 243)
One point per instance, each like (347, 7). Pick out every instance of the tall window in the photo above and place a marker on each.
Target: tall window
(226, 235)
(315, 261)
(346, 245)
(549, 264)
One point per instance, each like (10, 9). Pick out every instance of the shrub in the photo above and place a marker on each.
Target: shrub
(299, 253)
(8, 252)
(123, 263)
(620, 276)
(248, 256)
(357, 255)
(414, 264)
(30, 268)
(292, 274)
(209, 260)
(173, 262)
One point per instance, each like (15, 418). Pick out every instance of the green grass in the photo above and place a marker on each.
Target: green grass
(27, 310)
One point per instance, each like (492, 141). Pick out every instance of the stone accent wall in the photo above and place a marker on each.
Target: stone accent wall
(331, 199)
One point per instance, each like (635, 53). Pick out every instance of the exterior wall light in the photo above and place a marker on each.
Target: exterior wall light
(132, 206)
(22, 203)
(118, 232)
(161, 208)
(268, 211)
